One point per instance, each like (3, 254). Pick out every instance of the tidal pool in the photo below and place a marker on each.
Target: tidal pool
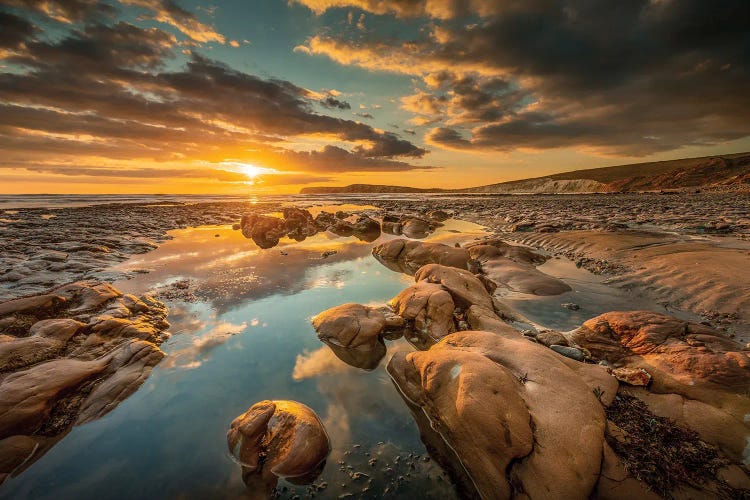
(241, 333)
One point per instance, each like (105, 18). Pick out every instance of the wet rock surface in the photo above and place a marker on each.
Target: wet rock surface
(68, 357)
(696, 375)
(278, 439)
(498, 401)
(40, 252)
(355, 332)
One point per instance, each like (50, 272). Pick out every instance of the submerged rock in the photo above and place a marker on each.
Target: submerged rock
(278, 439)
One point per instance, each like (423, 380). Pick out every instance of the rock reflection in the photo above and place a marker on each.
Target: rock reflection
(298, 224)
(367, 358)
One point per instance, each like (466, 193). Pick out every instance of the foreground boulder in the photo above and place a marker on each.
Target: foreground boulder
(69, 357)
(278, 439)
(514, 269)
(698, 376)
(407, 256)
(500, 264)
(519, 419)
(355, 332)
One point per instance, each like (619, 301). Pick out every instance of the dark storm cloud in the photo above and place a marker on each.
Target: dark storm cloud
(339, 160)
(629, 78)
(64, 10)
(14, 30)
(102, 90)
(331, 102)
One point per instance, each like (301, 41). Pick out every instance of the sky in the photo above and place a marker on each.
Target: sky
(268, 96)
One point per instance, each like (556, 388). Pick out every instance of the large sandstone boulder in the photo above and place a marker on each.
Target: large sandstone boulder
(417, 228)
(521, 419)
(355, 332)
(275, 439)
(699, 377)
(465, 288)
(407, 256)
(494, 247)
(518, 275)
(429, 307)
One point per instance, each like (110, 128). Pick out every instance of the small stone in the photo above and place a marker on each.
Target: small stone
(633, 376)
(568, 352)
(571, 305)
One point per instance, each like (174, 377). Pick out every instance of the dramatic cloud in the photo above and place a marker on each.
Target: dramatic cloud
(331, 102)
(106, 94)
(169, 12)
(67, 11)
(629, 78)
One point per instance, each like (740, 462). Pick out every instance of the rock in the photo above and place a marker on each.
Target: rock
(632, 376)
(515, 274)
(355, 333)
(494, 247)
(439, 215)
(391, 228)
(413, 227)
(275, 439)
(299, 223)
(550, 338)
(350, 325)
(53, 256)
(264, 230)
(569, 352)
(430, 307)
(408, 256)
(465, 288)
(130, 366)
(46, 339)
(515, 414)
(61, 371)
(481, 318)
(572, 306)
(700, 378)
(366, 229)
(14, 452)
(328, 253)
(38, 304)
(325, 220)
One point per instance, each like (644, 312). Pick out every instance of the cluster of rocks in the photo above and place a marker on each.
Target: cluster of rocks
(298, 224)
(43, 248)
(414, 225)
(691, 213)
(67, 357)
(534, 415)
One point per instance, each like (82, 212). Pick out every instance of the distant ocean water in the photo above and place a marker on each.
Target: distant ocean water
(10, 201)
(23, 201)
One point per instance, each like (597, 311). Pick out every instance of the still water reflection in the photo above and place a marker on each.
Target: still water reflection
(240, 334)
